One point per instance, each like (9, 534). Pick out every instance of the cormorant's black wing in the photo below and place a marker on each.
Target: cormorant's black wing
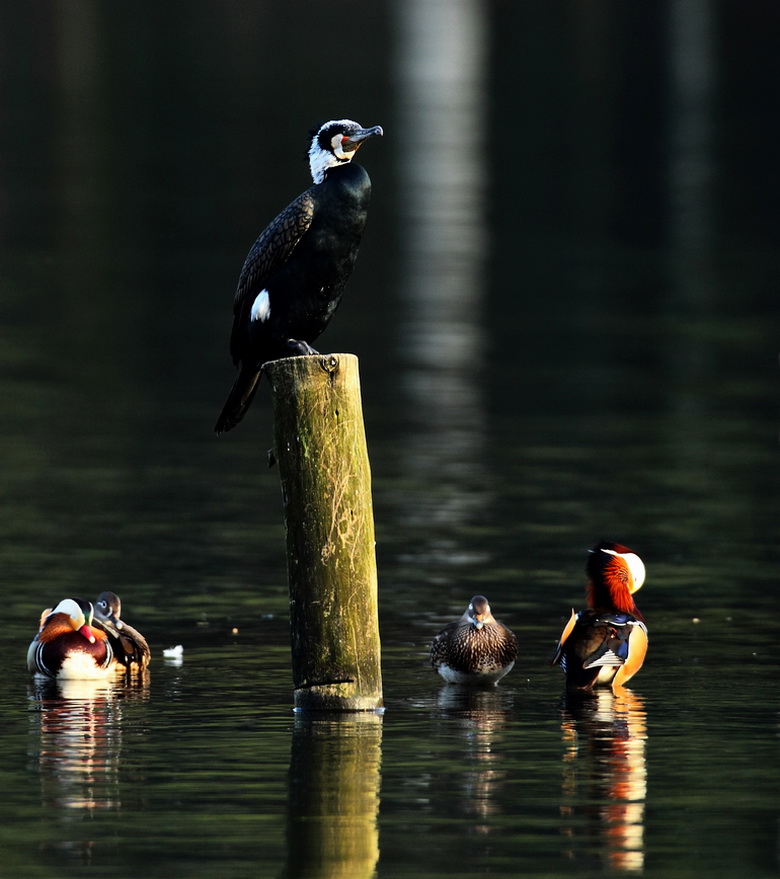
(268, 254)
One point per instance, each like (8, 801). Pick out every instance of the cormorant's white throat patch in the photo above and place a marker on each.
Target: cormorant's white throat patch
(261, 307)
(338, 151)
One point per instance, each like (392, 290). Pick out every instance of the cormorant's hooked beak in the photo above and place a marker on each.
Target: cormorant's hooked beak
(351, 142)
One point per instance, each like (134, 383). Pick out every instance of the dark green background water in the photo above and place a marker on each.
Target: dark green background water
(565, 311)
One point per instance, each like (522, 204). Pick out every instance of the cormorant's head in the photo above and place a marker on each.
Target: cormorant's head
(335, 143)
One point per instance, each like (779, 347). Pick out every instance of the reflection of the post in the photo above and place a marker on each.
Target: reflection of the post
(480, 713)
(77, 745)
(334, 796)
(605, 777)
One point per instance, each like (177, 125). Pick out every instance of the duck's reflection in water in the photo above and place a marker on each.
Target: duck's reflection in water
(76, 748)
(333, 798)
(605, 777)
(479, 713)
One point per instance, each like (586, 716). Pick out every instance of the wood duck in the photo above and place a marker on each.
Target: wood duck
(130, 647)
(607, 642)
(294, 275)
(68, 647)
(476, 649)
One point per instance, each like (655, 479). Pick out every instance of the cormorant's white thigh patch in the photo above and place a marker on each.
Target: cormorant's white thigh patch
(261, 307)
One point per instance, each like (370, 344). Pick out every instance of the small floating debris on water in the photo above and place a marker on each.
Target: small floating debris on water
(175, 654)
(696, 620)
(234, 631)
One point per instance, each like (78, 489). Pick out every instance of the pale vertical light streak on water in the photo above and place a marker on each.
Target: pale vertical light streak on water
(441, 62)
(692, 67)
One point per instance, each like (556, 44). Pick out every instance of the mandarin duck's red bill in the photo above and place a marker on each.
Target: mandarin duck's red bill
(476, 649)
(606, 643)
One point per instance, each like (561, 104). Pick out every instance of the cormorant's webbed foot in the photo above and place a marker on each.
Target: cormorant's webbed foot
(299, 348)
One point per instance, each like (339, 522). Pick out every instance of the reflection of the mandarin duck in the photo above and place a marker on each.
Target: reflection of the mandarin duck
(77, 732)
(605, 777)
(334, 796)
(480, 713)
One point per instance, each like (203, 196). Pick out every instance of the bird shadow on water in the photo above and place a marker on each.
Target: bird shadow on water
(604, 778)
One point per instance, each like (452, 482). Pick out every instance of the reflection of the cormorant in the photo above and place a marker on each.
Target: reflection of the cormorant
(77, 729)
(479, 713)
(605, 777)
(334, 796)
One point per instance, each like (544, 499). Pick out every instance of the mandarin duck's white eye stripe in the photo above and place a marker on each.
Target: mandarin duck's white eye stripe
(72, 609)
(637, 568)
(635, 565)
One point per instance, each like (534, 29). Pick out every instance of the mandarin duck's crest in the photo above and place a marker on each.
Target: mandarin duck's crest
(476, 649)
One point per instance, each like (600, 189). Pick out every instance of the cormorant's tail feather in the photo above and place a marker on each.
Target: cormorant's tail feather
(239, 399)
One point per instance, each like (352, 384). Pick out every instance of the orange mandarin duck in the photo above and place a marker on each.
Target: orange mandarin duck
(129, 645)
(68, 646)
(476, 649)
(607, 642)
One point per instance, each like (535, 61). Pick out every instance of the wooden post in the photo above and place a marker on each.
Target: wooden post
(320, 447)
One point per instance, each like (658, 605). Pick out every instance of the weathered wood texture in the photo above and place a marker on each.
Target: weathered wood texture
(320, 447)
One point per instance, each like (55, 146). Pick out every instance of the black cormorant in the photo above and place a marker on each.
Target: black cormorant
(293, 277)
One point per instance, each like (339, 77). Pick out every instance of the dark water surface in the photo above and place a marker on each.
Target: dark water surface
(565, 311)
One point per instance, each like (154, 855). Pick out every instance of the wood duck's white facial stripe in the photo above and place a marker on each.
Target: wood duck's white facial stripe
(261, 307)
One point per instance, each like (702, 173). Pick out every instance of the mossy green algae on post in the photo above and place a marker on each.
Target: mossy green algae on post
(320, 448)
